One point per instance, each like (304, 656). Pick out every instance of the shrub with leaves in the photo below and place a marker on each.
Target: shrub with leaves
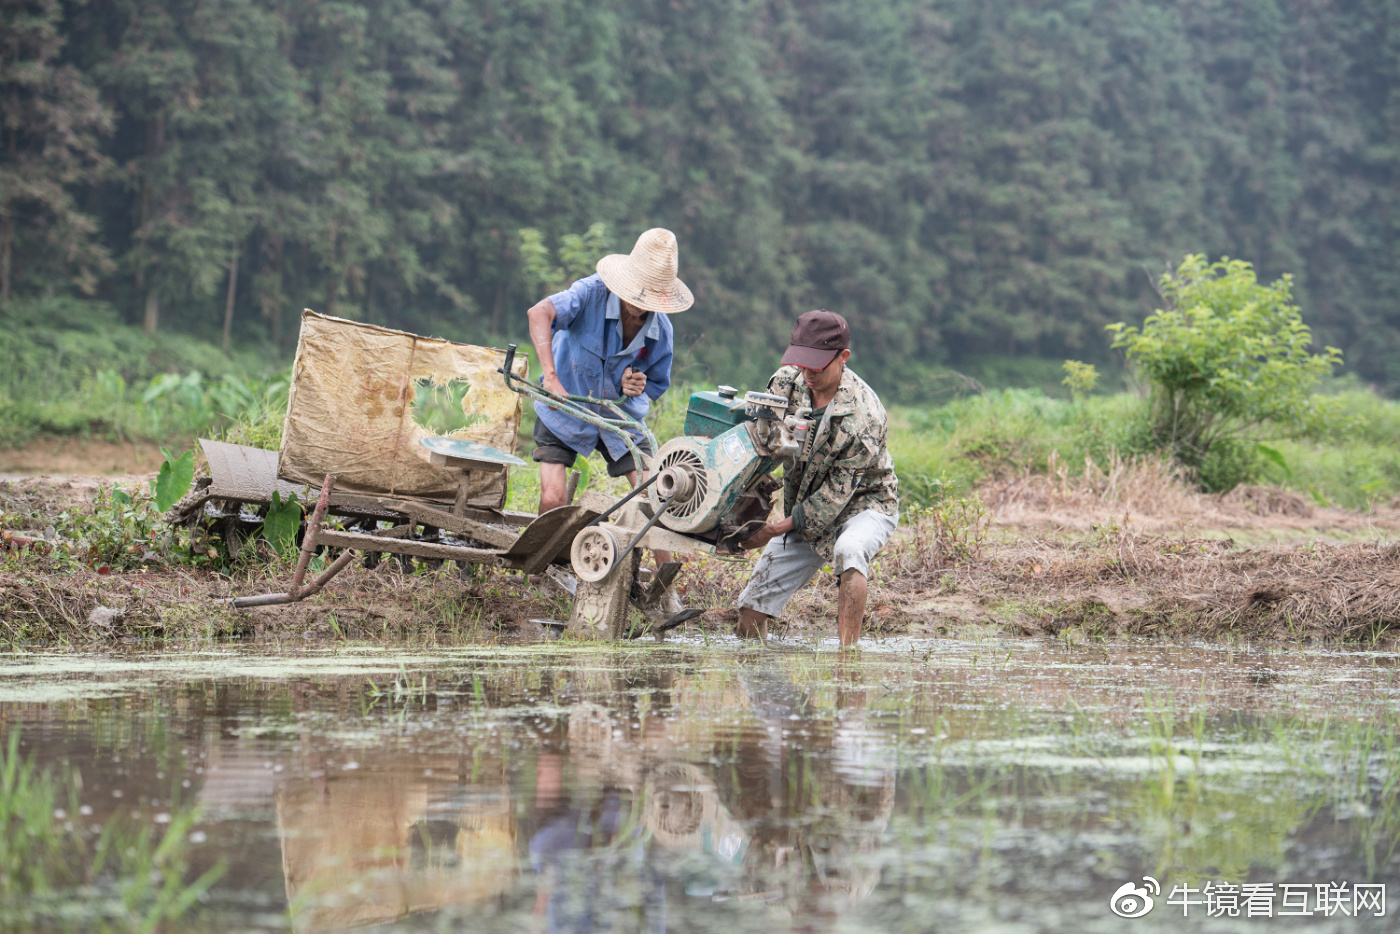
(1081, 378)
(577, 256)
(1228, 358)
(127, 528)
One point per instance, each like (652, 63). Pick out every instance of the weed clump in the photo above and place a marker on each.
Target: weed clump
(123, 874)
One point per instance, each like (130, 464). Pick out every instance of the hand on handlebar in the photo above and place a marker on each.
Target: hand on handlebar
(551, 383)
(634, 382)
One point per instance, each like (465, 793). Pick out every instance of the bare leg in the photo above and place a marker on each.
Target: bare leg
(752, 625)
(553, 486)
(850, 607)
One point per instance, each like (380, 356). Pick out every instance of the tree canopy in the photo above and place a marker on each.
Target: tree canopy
(957, 177)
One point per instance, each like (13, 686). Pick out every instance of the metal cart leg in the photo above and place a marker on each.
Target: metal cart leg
(308, 549)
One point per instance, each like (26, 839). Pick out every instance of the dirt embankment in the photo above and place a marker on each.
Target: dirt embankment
(71, 456)
(1078, 556)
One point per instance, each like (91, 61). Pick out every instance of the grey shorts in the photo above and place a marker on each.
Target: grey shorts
(789, 562)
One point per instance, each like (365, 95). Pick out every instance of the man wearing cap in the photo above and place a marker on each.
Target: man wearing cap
(840, 499)
(606, 336)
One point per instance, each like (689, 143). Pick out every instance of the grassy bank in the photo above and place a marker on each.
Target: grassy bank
(73, 369)
(963, 444)
(79, 373)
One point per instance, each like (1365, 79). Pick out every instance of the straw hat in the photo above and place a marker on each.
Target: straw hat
(647, 277)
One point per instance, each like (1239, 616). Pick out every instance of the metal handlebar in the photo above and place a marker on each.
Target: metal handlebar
(574, 405)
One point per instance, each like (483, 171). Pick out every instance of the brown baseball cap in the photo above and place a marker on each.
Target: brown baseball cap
(817, 337)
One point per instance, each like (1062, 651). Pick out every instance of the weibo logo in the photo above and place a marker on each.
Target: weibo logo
(1131, 901)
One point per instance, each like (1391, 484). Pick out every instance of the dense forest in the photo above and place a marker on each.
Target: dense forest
(959, 177)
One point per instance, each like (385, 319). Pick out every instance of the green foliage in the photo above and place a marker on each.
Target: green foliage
(584, 466)
(947, 532)
(281, 524)
(174, 479)
(57, 874)
(31, 847)
(578, 255)
(1357, 468)
(948, 450)
(1226, 360)
(51, 123)
(75, 370)
(969, 181)
(535, 266)
(1081, 378)
(1228, 463)
(1275, 457)
(437, 408)
(259, 423)
(124, 529)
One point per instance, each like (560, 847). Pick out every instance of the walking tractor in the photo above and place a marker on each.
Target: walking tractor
(437, 498)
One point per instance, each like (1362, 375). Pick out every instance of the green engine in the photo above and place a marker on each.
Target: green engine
(705, 478)
(713, 412)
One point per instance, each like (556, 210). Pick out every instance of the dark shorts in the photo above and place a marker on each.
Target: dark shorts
(550, 450)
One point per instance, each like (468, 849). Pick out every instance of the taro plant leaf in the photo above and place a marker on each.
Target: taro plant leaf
(1276, 457)
(281, 523)
(160, 385)
(174, 479)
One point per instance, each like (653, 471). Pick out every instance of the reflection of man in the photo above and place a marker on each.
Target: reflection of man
(607, 336)
(841, 498)
(815, 815)
(581, 854)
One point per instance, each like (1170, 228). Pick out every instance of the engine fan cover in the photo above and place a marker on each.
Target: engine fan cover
(706, 475)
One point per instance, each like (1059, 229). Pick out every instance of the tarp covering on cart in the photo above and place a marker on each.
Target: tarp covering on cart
(350, 409)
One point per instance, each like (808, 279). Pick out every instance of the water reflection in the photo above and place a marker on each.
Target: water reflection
(363, 848)
(693, 790)
(626, 793)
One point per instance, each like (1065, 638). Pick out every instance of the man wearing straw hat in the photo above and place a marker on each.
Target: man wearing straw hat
(841, 497)
(606, 336)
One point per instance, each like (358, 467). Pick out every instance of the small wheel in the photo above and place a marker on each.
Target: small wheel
(593, 554)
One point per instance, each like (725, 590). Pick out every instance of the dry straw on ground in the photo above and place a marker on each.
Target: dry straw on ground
(1155, 495)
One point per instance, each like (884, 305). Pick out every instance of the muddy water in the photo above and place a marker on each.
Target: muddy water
(999, 786)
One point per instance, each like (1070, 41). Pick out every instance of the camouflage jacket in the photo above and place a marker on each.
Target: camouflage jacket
(846, 468)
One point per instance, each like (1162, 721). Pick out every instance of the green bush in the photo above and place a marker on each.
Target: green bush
(1227, 360)
(1229, 463)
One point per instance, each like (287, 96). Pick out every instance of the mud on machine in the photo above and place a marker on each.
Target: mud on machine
(704, 492)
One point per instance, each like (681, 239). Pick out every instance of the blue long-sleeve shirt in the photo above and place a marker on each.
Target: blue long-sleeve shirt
(590, 358)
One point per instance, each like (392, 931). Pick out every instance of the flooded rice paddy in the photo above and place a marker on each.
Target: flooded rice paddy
(924, 786)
